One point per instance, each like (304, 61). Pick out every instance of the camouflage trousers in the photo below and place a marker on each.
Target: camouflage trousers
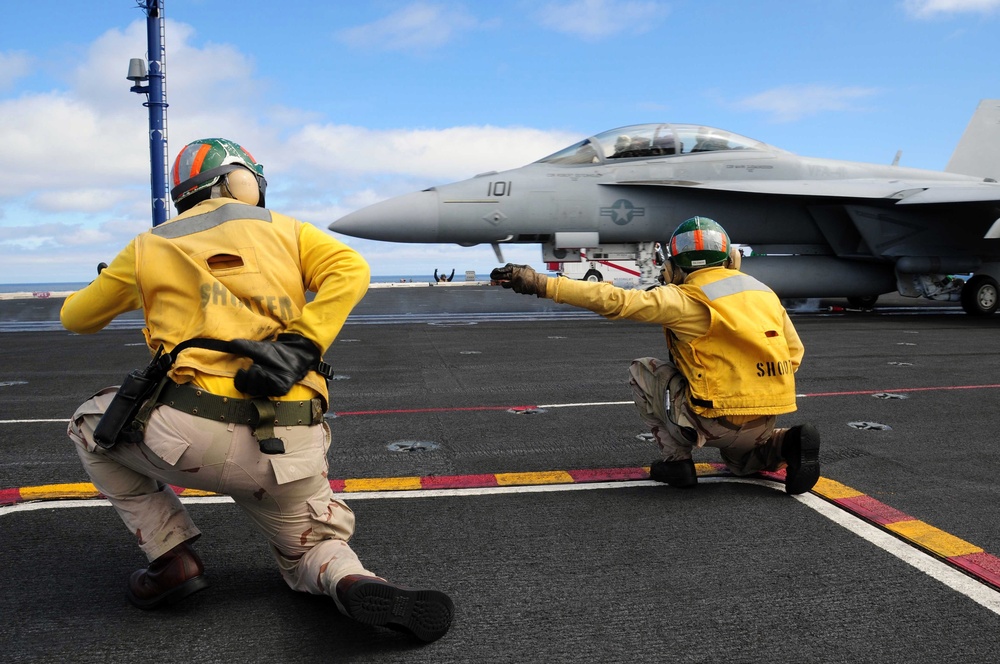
(661, 396)
(286, 496)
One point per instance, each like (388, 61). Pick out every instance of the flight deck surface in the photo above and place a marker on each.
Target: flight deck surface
(489, 448)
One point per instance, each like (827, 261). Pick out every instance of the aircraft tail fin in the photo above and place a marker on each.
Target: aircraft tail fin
(978, 151)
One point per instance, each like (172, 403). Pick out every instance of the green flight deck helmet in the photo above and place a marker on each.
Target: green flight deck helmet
(202, 164)
(699, 242)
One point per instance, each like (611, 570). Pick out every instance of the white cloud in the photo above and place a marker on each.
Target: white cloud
(27, 243)
(13, 66)
(85, 237)
(933, 8)
(95, 133)
(58, 140)
(74, 180)
(597, 19)
(793, 102)
(451, 153)
(417, 27)
(194, 75)
(81, 200)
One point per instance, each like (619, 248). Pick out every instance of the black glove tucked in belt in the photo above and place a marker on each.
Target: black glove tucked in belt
(277, 365)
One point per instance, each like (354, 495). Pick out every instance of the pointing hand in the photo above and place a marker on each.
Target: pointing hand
(520, 278)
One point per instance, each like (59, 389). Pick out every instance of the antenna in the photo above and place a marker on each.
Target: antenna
(156, 102)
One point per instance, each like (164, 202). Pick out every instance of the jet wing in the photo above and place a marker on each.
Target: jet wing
(908, 193)
(984, 193)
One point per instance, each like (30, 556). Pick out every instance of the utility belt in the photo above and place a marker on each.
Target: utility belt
(262, 414)
(142, 390)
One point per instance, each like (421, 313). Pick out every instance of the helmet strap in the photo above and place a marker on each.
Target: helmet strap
(201, 178)
(260, 184)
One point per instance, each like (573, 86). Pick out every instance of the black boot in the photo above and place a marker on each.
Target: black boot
(679, 474)
(800, 448)
(426, 614)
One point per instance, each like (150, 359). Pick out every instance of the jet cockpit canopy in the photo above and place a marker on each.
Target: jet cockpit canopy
(652, 140)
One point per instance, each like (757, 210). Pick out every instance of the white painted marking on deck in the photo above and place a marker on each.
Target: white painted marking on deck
(979, 593)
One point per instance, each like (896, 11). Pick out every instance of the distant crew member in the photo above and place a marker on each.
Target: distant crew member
(443, 278)
(733, 356)
(241, 412)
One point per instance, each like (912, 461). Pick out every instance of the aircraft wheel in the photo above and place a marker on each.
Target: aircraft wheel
(865, 302)
(980, 295)
(593, 275)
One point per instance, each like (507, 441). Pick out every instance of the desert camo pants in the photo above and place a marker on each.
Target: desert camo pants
(286, 496)
(661, 396)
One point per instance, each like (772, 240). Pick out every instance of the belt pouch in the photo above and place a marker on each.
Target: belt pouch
(134, 391)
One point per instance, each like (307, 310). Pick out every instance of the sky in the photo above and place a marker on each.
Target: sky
(350, 103)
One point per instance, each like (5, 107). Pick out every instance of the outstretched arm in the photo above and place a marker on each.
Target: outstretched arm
(665, 305)
(113, 292)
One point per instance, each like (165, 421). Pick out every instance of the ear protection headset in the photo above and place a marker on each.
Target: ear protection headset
(242, 185)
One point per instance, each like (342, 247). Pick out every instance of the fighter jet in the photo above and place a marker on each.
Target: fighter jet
(816, 227)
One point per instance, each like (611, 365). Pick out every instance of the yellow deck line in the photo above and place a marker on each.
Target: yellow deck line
(50, 491)
(383, 484)
(933, 539)
(832, 490)
(547, 477)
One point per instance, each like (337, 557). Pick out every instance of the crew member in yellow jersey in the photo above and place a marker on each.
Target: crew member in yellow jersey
(245, 416)
(733, 357)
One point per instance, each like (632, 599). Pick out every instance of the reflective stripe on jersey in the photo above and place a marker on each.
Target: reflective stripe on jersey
(738, 283)
(203, 222)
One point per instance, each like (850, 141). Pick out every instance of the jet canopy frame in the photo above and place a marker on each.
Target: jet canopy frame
(645, 141)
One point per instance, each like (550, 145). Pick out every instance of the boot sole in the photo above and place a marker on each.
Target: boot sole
(678, 474)
(172, 596)
(806, 475)
(426, 614)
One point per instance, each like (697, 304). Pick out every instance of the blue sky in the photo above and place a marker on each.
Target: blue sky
(349, 103)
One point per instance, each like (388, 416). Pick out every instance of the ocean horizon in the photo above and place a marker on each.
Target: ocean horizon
(61, 286)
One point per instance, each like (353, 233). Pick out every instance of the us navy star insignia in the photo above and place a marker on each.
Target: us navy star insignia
(623, 211)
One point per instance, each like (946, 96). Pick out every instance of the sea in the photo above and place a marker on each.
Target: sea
(59, 287)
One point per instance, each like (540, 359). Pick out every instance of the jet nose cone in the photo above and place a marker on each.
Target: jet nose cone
(408, 218)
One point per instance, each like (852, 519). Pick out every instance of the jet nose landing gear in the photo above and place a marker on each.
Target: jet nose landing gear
(980, 295)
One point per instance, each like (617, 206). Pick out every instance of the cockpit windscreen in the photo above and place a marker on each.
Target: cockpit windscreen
(652, 140)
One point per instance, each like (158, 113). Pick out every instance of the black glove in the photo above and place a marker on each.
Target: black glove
(277, 365)
(521, 278)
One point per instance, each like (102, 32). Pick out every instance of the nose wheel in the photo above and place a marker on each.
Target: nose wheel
(980, 295)
(867, 302)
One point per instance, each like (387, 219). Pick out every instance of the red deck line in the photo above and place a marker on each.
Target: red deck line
(983, 566)
(398, 411)
(902, 389)
(980, 565)
(872, 510)
(404, 411)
